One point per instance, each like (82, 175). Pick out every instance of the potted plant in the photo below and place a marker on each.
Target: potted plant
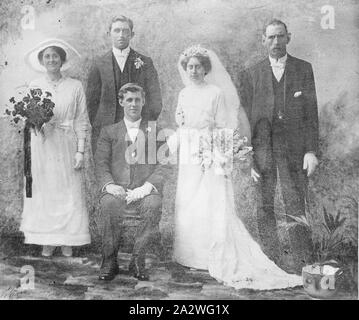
(322, 279)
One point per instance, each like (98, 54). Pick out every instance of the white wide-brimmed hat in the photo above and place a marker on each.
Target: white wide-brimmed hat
(31, 57)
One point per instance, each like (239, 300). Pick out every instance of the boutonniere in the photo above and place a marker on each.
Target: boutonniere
(148, 129)
(297, 94)
(138, 63)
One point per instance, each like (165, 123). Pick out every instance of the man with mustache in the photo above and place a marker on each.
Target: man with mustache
(110, 72)
(279, 97)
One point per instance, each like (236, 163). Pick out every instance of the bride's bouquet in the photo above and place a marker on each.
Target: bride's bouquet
(35, 108)
(241, 150)
(218, 148)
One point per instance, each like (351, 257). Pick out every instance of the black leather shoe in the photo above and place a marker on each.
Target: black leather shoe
(137, 269)
(109, 270)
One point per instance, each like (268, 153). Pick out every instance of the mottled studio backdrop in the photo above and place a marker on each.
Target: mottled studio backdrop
(325, 36)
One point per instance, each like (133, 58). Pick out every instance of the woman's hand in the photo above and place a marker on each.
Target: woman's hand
(79, 160)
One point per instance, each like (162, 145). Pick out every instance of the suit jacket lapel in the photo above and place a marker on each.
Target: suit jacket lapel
(130, 62)
(142, 145)
(122, 131)
(290, 74)
(107, 66)
(267, 88)
(139, 145)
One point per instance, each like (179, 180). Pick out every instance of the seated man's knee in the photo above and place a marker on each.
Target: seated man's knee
(152, 207)
(152, 202)
(110, 202)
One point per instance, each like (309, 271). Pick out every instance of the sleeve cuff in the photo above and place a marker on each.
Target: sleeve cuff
(153, 187)
(104, 187)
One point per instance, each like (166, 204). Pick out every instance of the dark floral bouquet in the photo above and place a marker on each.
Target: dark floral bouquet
(35, 109)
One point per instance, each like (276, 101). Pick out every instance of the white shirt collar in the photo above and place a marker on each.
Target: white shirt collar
(121, 53)
(130, 124)
(281, 60)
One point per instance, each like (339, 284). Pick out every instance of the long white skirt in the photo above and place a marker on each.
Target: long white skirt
(56, 214)
(210, 236)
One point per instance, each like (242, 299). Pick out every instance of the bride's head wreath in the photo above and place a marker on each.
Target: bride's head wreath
(218, 76)
(198, 52)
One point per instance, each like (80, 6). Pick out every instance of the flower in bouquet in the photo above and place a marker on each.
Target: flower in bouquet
(205, 149)
(35, 108)
(223, 151)
(219, 147)
(240, 146)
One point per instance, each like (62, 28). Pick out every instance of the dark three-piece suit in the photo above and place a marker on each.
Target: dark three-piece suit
(284, 124)
(129, 164)
(104, 81)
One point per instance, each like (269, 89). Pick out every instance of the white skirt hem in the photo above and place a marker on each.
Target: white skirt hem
(57, 239)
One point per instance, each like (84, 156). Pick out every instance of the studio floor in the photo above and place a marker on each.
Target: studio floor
(76, 278)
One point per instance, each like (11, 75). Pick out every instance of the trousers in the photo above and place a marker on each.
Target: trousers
(113, 210)
(293, 183)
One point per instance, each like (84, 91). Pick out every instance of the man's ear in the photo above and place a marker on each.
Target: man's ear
(120, 102)
(289, 36)
(132, 34)
(263, 39)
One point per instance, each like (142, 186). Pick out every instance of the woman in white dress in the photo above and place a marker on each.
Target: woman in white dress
(208, 233)
(56, 214)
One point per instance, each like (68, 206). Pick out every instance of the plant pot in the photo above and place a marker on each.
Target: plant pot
(319, 283)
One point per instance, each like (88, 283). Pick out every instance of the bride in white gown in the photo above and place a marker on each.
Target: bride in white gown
(208, 233)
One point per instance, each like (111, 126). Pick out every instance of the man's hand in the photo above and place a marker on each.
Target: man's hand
(115, 190)
(138, 193)
(309, 163)
(254, 175)
(79, 160)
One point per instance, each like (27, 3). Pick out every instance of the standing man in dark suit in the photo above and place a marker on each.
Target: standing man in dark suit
(130, 178)
(279, 97)
(110, 72)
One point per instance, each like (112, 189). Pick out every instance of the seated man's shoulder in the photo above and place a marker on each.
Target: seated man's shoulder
(157, 129)
(111, 128)
(150, 125)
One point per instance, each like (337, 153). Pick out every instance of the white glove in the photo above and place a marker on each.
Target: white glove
(138, 193)
(310, 162)
(79, 160)
(115, 190)
(254, 175)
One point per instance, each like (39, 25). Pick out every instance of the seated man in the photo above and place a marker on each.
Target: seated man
(130, 177)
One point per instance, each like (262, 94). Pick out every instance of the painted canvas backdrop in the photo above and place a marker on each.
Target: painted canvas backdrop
(232, 28)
